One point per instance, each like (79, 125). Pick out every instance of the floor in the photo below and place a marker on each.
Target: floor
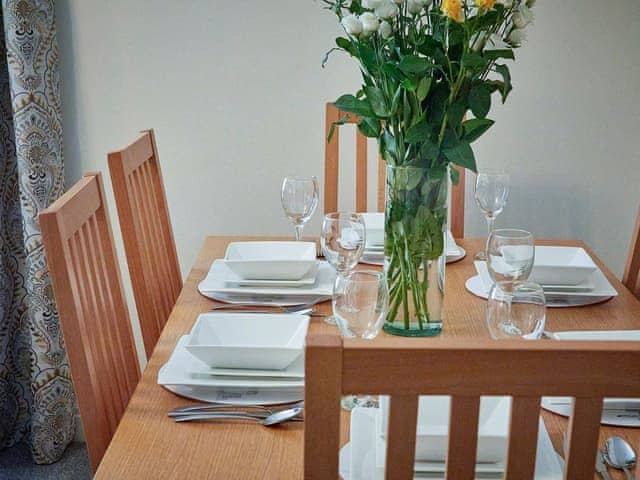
(16, 464)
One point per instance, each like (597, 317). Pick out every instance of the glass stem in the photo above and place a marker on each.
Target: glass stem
(490, 221)
(299, 227)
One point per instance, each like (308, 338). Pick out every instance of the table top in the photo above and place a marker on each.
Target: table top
(148, 444)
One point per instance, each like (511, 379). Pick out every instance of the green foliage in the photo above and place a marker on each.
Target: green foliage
(422, 81)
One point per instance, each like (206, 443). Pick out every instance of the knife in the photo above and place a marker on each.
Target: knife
(601, 468)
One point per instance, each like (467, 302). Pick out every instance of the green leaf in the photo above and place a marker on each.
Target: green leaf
(408, 84)
(475, 127)
(495, 54)
(429, 150)
(480, 100)
(377, 102)
(462, 155)
(472, 60)
(388, 147)
(393, 71)
(455, 176)
(332, 129)
(369, 127)
(456, 112)
(414, 64)
(423, 88)
(345, 44)
(506, 78)
(418, 133)
(349, 103)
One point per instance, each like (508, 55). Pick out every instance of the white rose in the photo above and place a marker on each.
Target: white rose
(352, 25)
(495, 42)
(372, 3)
(387, 10)
(370, 23)
(385, 30)
(517, 37)
(523, 17)
(413, 7)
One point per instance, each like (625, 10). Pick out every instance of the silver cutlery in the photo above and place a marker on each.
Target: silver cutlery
(601, 468)
(270, 308)
(619, 455)
(213, 405)
(281, 310)
(275, 418)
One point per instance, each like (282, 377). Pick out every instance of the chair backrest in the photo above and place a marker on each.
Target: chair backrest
(332, 167)
(465, 370)
(147, 234)
(631, 277)
(93, 312)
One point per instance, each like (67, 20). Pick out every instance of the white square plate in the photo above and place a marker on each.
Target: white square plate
(180, 368)
(215, 286)
(271, 260)
(561, 266)
(245, 340)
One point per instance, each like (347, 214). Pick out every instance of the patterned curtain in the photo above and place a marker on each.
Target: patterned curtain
(37, 401)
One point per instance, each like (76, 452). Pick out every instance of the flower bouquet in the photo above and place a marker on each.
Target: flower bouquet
(425, 65)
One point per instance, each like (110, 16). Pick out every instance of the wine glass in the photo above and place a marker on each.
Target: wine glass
(517, 311)
(510, 255)
(360, 304)
(491, 193)
(342, 239)
(299, 196)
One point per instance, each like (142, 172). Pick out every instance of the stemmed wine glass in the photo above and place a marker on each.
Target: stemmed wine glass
(299, 196)
(360, 304)
(510, 255)
(491, 193)
(342, 239)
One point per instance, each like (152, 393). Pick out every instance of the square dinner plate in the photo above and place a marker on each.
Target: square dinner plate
(178, 371)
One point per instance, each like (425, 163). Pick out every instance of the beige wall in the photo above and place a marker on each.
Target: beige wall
(236, 93)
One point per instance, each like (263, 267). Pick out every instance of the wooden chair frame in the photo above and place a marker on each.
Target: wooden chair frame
(93, 312)
(147, 234)
(465, 370)
(631, 277)
(331, 173)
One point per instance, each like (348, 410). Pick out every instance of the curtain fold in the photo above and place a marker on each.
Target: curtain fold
(37, 400)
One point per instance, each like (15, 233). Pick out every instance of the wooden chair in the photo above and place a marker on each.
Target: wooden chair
(147, 234)
(631, 277)
(331, 173)
(465, 370)
(93, 312)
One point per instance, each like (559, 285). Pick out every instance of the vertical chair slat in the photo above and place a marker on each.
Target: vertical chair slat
(582, 437)
(463, 437)
(361, 172)
(523, 438)
(331, 155)
(323, 364)
(401, 436)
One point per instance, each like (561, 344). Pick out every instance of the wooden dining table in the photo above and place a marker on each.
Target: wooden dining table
(150, 445)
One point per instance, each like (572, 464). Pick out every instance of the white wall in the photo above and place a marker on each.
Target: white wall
(236, 95)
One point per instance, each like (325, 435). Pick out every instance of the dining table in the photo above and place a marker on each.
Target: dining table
(150, 445)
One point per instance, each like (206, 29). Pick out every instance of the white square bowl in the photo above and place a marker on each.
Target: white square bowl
(374, 228)
(432, 432)
(561, 266)
(271, 260)
(249, 341)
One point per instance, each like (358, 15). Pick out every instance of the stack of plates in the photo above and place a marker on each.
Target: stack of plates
(364, 456)
(568, 276)
(374, 247)
(239, 358)
(269, 273)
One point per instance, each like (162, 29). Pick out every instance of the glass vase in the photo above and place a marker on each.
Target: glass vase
(415, 253)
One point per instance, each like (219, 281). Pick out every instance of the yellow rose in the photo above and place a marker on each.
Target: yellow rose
(452, 9)
(485, 4)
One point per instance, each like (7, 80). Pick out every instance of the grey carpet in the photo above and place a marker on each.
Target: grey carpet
(16, 464)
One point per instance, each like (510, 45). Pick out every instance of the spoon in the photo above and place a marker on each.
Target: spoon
(273, 419)
(619, 454)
